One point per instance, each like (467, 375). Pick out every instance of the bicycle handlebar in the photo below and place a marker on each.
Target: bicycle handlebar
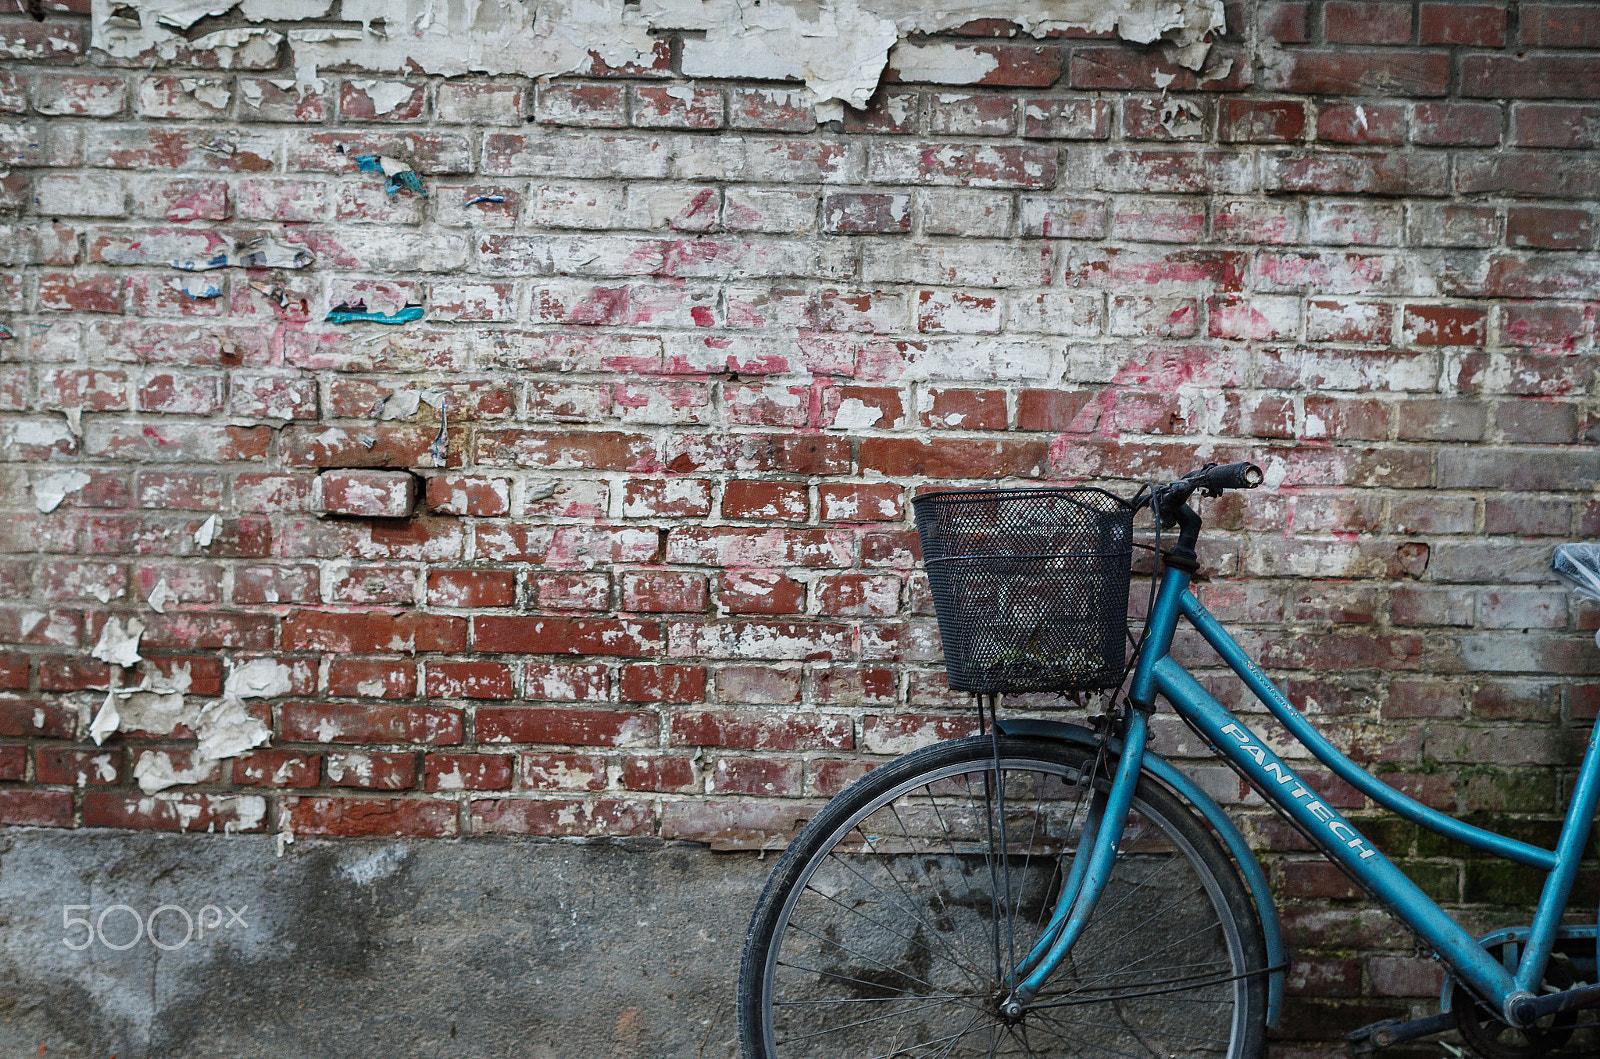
(1210, 480)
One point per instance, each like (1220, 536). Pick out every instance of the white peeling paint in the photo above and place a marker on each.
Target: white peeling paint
(260, 678)
(385, 95)
(106, 721)
(50, 491)
(944, 64)
(855, 414)
(160, 596)
(156, 772)
(118, 643)
(1274, 473)
(226, 729)
(838, 48)
(207, 531)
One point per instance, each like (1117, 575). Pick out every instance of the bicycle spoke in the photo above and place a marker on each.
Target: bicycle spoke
(885, 927)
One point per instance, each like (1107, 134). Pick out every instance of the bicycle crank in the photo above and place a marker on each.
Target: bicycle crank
(1494, 1039)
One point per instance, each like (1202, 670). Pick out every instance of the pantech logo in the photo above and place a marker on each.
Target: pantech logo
(1278, 771)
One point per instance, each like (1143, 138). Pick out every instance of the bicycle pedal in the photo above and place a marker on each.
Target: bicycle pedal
(1387, 1032)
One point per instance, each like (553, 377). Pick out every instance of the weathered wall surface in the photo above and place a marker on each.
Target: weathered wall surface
(614, 539)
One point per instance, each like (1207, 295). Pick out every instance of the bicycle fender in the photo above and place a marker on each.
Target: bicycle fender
(1184, 787)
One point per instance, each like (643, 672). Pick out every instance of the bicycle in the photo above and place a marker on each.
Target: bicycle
(1047, 888)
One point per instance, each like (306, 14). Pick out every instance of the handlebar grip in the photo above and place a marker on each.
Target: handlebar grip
(1234, 476)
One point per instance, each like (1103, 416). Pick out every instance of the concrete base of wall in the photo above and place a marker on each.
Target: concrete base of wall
(357, 948)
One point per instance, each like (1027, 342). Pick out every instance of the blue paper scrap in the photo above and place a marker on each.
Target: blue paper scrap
(400, 175)
(356, 312)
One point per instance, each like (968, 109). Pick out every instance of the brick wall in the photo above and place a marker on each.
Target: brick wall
(640, 560)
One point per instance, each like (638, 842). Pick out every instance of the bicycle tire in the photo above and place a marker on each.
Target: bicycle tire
(882, 929)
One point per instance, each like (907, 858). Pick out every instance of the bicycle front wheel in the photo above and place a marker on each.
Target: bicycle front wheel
(890, 926)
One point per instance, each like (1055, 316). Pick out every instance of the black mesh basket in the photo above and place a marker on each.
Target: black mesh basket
(1030, 585)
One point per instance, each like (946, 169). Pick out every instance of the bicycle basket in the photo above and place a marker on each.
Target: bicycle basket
(1030, 586)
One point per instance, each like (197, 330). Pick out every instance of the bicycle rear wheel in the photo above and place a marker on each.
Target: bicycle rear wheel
(889, 925)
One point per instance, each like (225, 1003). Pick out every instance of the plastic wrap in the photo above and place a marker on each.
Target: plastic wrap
(1579, 566)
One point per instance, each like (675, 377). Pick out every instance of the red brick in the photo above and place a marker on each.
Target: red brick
(368, 494)
(752, 730)
(278, 768)
(859, 595)
(1357, 73)
(371, 678)
(597, 636)
(561, 816)
(472, 588)
(663, 684)
(564, 725)
(1558, 25)
(660, 107)
(758, 683)
(952, 458)
(761, 592)
(1366, 22)
(1549, 229)
(662, 591)
(868, 502)
(372, 817)
(1443, 325)
(770, 109)
(564, 682)
(1469, 24)
(1286, 23)
(671, 498)
(572, 772)
(54, 42)
(1066, 119)
(13, 671)
(766, 777)
(1530, 77)
(13, 762)
(658, 772)
(378, 771)
(362, 723)
(866, 212)
(174, 812)
(572, 591)
(365, 632)
(69, 292)
(592, 105)
(77, 766)
(1453, 124)
(37, 808)
(1362, 123)
(458, 494)
(470, 680)
(765, 501)
(355, 102)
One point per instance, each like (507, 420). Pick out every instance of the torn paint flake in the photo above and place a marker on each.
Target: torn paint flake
(119, 643)
(385, 95)
(207, 531)
(227, 729)
(155, 771)
(260, 678)
(106, 721)
(160, 596)
(51, 490)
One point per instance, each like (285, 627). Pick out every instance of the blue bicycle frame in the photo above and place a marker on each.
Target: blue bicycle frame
(1156, 672)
